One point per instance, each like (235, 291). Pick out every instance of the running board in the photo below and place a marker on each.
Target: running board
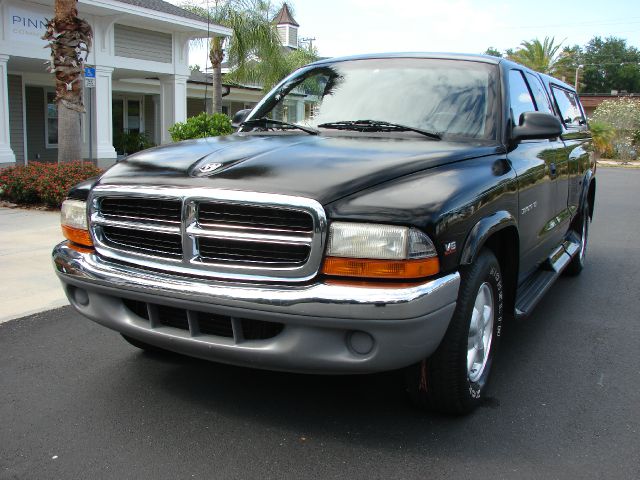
(534, 287)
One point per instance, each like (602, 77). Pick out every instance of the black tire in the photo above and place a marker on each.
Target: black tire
(577, 263)
(444, 382)
(146, 347)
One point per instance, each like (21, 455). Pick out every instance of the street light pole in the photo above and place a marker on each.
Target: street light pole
(577, 70)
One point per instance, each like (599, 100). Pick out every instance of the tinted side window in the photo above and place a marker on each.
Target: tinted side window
(539, 93)
(519, 97)
(569, 109)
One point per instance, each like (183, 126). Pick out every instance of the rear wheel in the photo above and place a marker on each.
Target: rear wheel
(578, 261)
(454, 378)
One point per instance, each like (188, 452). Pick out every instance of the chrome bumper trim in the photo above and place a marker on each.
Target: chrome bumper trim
(320, 299)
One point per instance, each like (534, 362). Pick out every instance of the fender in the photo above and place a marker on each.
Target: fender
(586, 181)
(481, 231)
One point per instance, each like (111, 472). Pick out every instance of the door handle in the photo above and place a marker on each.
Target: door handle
(552, 169)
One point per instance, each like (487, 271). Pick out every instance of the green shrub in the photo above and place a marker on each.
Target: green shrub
(623, 114)
(603, 135)
(132, 142)
(46, 183)
(201, 126)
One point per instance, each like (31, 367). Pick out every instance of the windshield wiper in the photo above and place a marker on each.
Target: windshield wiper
(377, 126)
(264, 121)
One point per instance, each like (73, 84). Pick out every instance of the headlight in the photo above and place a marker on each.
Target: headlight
(379, 251)
(74, 214)
(73, 218)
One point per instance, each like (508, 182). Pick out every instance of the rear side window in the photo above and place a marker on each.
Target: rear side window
(569, 107)
(519, 96)
(539, 94)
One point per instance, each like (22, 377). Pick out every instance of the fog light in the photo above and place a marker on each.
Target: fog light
(79, 296)
(360, 342)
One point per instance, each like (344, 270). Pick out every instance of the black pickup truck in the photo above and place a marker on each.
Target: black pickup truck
(415, 204)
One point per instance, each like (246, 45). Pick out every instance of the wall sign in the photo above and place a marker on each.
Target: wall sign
(27, 25)
(90, 77)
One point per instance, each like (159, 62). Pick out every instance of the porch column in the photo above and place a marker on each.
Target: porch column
(6, 154)
(157, 114)
(173, 103)
(102, 115)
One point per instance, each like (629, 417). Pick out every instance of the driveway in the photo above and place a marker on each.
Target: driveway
(29, 284)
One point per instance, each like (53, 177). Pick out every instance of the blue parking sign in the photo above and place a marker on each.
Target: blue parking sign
(89, 72)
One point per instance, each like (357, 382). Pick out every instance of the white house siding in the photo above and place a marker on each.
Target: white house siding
(293, 37)
(16, 120)
(132, 42)
(282, 32)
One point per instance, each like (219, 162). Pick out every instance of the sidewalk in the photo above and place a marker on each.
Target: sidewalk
(29, 284)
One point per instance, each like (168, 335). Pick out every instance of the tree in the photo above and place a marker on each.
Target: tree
(493, 52)
(254, 52)
(539, 56)
(69, 38)
(610, 64)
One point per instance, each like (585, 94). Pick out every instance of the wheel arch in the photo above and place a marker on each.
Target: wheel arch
(591, 194)
(499, 233)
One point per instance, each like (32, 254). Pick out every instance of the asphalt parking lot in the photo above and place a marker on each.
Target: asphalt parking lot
(76, 401)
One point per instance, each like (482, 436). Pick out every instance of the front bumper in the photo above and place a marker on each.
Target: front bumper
(327, 327)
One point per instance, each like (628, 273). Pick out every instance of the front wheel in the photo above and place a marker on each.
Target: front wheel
(454, 378)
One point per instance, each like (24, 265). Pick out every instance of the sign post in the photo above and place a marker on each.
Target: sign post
(90, 83)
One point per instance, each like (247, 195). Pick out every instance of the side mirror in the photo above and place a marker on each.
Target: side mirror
(239, 117)
(536, 125)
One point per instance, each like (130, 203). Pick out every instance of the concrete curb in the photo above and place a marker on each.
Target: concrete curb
(616, 164)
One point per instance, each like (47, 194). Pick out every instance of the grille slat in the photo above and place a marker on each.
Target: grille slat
(250, 216)
(149, 243)
(212, 324)
(141, 209)
(212, 249)
(207, 323)
(173, 317)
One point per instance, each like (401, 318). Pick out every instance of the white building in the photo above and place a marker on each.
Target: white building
(140, 54)
(143, 81)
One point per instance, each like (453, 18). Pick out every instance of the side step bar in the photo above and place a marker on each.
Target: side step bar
(534, 287)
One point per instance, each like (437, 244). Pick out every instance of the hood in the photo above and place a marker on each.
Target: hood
(324, 168)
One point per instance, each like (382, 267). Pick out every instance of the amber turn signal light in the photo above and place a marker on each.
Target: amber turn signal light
(384, 269)
(76, 235)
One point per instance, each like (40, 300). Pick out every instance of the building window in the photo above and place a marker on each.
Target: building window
(51, 120)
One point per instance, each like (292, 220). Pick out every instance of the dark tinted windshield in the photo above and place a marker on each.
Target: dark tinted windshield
(452, 97)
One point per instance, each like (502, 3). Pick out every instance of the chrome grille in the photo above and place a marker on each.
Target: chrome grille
(210, 232)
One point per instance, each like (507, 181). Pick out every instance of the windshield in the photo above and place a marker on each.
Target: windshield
(453, 98)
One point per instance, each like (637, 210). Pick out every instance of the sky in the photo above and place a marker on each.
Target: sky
(346, 27)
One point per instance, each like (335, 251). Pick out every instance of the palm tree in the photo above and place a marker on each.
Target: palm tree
(254, 52)
(539, 56)
(69, 39)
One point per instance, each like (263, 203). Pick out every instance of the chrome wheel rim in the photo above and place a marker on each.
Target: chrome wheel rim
(480, 332)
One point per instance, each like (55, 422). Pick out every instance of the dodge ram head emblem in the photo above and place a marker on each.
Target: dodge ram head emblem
(208, 168)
